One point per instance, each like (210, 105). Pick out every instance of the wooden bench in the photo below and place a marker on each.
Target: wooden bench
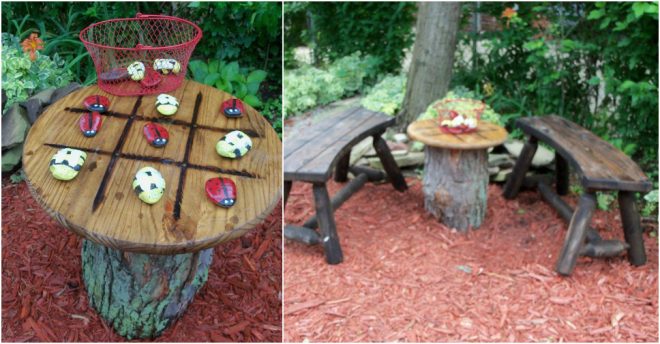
(314, 154)
(601, 167)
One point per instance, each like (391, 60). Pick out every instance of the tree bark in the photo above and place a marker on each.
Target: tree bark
(140, 295)
(456, 186)
(432, 60)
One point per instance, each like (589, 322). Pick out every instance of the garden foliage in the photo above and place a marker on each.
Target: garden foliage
(387, 95)
(334, 30)
(594, 63)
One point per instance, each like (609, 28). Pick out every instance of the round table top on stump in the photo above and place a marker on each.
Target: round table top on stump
(428, 132)
(100, 204)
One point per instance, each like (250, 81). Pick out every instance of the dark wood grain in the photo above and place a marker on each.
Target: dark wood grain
(329, 238)
(631, 228)
(515, 179)
(341, 171)
(340, 197)
(577, 232)
(389, 164)
(600, 165)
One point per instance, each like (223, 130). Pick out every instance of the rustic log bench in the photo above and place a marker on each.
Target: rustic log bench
(325, 147)
(601, 167)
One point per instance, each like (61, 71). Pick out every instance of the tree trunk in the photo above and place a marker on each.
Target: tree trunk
(140, 295)
(456, 186)
(432, 60)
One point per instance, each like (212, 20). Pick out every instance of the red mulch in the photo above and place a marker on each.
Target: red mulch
(43, 298)
(405, 277)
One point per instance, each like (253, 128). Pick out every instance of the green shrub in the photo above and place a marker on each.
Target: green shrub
(387, 95)
(379, 29)
(22, 77)
(307, 87)
(272, 110)
(354, 70)
(229, 77)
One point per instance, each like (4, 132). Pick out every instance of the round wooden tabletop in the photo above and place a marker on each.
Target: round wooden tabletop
(100, 204)
(428, 132)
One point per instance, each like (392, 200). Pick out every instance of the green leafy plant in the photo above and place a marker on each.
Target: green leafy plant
(230, 78)
(651, 204)
(387, 95)
(272, 110)
(307, 87)
(22, 77)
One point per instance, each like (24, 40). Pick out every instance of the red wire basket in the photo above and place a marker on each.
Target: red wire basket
(117, 43)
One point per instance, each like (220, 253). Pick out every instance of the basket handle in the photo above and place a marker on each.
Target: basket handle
(148, 16)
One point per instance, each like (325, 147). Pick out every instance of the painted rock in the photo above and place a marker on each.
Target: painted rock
(66, 163)
(234, 145)
(151, 79)
(233, 108)
(97, 103)
(149, 185)
(221, 191)
(136, 70)
(167, 66)
(114, 75)
(166, 104)
(90, 123)
(156, 134)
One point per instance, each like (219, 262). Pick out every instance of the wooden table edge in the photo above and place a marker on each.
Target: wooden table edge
(415, 137)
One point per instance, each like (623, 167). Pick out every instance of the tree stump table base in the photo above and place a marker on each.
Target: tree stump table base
(138, 294)
(456, 186)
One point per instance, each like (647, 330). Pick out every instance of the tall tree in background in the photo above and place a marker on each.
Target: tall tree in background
(432, 60)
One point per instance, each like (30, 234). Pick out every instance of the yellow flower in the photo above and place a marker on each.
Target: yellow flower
(32, 44)
(488, 89)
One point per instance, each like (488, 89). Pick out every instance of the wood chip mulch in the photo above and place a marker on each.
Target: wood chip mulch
(405, 277)
(43, 298)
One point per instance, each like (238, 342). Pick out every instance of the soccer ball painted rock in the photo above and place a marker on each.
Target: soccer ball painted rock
(90, 123)
(149, 185)
(166, 104)
(97, 103)
(221, 191)
(234, 145)
(136, 70)
(66, 163)
(155, 134)
(233, 108)
(167, 66)
(151, 79)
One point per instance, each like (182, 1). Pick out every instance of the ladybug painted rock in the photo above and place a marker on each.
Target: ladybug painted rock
(149, 185)
(97, 103)
(234, 145)
(156, 134)
(66, 163)
(221, 191)
(151, 78)
(233, 108)
(136, 70)
(90, 123)
(114, 75)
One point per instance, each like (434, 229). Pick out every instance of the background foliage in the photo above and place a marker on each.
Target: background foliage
(333, 30)
(594, 63)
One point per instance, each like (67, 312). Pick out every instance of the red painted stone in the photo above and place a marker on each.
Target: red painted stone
(97, 103)
(221, 191)
(156, 134)
(233, 108)
(151, 78)
(90, 123)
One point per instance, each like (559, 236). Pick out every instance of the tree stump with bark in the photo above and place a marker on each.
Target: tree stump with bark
(142, 264)
(456, 171)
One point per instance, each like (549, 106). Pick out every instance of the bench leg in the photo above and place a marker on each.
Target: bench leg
(577, 232)
(631, 228)
(561, 167)
(341, 171)
(326, 219)
(389, 164)
(516, 177)
(287, 189)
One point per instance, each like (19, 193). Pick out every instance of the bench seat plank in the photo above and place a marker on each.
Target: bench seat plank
(601, 165)
(312, 155)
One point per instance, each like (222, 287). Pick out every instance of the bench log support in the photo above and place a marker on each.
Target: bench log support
(561, 168)
(577, 231)
(140, 295)
(631, 228)
(287, 190)
(516, 177)
(340, 197)
(324, 212)
(373, 174)
(341, 170)
(389, 164)
(304, 235)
